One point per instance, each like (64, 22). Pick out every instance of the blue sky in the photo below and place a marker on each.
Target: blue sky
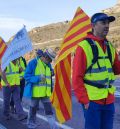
(33, 13)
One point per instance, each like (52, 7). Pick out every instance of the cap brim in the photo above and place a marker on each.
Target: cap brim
(111, 18)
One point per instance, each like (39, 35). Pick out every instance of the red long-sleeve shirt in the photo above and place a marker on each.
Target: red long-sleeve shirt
(79, 68)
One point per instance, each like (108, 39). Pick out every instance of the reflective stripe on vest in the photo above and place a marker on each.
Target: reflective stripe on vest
(12, 75)
(103, 75)
(42, 89)
(102, 69)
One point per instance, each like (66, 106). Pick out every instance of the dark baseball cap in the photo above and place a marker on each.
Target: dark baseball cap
(101, 17)
(40, 53)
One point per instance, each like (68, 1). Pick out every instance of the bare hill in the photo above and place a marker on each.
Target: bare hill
(114, 34)
(52, 35)
(49, 35)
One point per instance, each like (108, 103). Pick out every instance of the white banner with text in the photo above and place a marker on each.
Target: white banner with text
(20, 45)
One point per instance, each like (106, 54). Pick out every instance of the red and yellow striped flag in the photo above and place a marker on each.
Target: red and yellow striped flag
(3, 47)
(61, 97)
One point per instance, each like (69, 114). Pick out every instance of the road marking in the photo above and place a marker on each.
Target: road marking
(2, 127)
(44, 118)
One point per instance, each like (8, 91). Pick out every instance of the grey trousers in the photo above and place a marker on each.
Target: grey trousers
(7, 92)
(48, 112)
(34, 105)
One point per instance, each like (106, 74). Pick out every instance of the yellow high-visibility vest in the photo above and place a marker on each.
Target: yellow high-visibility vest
(104, 75)
(12, 75)
(42, 89)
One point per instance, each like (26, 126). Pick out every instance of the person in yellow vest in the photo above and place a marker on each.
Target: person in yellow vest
(94, 68)
(22, 66)
(11, 85)
(38, 74)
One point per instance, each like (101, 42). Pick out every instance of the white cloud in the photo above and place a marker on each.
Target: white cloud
(10, 25)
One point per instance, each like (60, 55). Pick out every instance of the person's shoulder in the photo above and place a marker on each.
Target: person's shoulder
(22, 58)
(33, 61)
(83, 42)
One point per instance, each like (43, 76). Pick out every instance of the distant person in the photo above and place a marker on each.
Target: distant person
(38, 74)
(11, 86)
(22, 66)
(94, 68)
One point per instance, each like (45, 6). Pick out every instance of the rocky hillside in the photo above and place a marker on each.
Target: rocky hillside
(114, 34)
(49, 35)
(52, 35)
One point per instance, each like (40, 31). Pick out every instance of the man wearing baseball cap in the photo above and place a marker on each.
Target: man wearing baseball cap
(94, 68)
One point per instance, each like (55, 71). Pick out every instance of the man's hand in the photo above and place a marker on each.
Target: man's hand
(86, 106)
(43, 79)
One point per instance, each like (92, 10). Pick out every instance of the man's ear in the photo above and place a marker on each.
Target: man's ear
(93, 25)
